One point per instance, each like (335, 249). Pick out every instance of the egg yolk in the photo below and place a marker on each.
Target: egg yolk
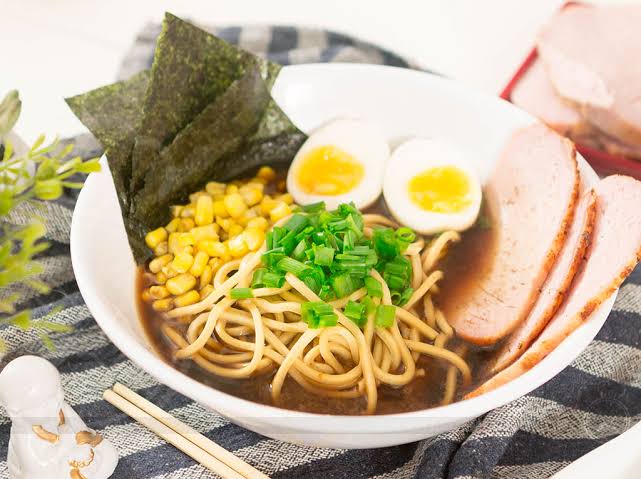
(328, 170)
(442, 189)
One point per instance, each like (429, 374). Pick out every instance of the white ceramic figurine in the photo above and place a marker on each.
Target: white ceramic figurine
(48, 439)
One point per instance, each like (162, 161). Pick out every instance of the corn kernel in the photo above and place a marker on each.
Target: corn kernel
(162, 305)
(259, 222)
(186, 299)
(238, 246)
(224, 223)
(146, 297)
(219, 209)
(181, 284)
(251, 194)
(235, 230)
(208, 232)
(161, 249)
(186, 224)
(279, 211)
(182, 262)
(188, 212)
(172, 242)
(153, 238)
(215, 188)
(206, 276)
(206, 290)
(215, 264)
(266, 172)
(235, 205)
(231, 189)
(267, 205)
(185, 239)
(193, 198)
(281, 186)
(287, 198)
(262, 181)
(213, 248)
(173, 225)
(161, 278)
(169, 272)
(175, 210)
(159, 292)
(156, 264)
(248, 215)
(200, 261)
(254, 238)
(204, 210)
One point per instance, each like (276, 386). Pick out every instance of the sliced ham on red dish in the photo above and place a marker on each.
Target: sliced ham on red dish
(535, 94)
(613, 253)
(555, 286)
(591, 55)
(532, 192)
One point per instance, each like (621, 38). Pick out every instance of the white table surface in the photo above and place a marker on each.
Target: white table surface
(57, 48)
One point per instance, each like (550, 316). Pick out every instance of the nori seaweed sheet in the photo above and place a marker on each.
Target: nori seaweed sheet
(191, 68)
(112, 114)
(203, 112)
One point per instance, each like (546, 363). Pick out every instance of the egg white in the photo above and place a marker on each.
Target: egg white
(414, 157)
(365, 142)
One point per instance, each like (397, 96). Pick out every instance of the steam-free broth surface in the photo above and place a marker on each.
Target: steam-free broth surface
(465, 265)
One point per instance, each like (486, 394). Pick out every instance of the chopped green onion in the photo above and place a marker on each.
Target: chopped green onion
(385, 315)
(313, 207)
(356, 312)
(273, 280)
(296, 223)
(405, 234)
(258, 279)
(343, 285)
(323, 255)
(271, 257)
(290, 265)
(404, 297)
(327, 320)
(241, 293)
(374, 287)
(326, 293)
(385, 243)
(299, 251)
(318, 314)
(369, 304)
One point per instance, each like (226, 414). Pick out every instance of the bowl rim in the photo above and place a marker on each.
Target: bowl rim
(152, 363)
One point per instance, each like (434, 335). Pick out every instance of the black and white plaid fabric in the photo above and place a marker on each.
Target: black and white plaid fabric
(589, 403)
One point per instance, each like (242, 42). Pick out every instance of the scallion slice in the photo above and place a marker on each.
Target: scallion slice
(385, 315)
(241, 293)
(374, 287)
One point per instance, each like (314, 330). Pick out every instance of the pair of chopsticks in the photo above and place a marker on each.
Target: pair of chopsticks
(186, 439)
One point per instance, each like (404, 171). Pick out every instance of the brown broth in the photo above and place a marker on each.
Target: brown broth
(467, 262)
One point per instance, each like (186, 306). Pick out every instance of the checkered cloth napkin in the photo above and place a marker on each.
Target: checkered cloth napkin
(589, 403)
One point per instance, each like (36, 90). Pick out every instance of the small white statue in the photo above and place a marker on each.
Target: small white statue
(48, 439)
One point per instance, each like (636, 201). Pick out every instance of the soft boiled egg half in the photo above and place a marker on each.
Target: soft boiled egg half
(342, 161)
(431, 186)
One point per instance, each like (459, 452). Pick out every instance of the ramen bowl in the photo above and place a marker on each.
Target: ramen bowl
(404, 103)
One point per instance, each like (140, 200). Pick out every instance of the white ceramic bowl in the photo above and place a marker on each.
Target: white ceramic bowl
(404, 103)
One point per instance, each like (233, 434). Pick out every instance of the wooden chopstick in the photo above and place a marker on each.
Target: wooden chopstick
(180, 435)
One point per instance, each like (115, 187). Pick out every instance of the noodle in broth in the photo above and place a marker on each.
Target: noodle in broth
(265, 334)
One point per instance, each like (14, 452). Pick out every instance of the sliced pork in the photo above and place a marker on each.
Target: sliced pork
(613, 253)
(535, 94)
(555, 286)
(533, 192)
(591, 55)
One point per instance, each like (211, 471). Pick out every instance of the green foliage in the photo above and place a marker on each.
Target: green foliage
(40, 174)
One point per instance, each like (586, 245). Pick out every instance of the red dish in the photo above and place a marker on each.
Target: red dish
(604, 163)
